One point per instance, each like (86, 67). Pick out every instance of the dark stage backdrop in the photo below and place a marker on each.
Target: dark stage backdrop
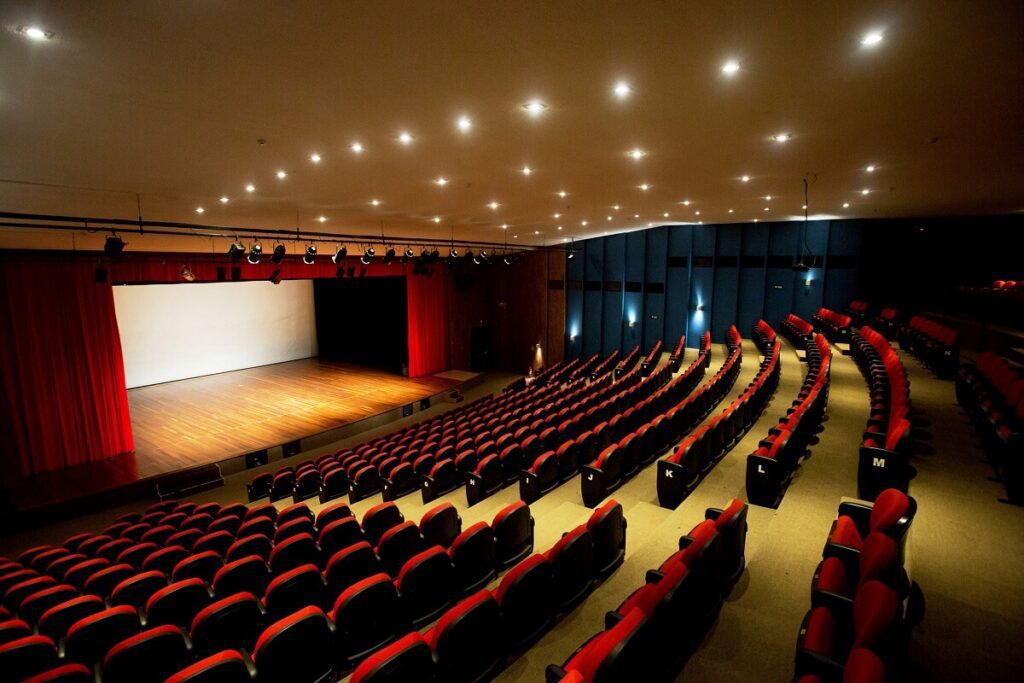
(362, 320)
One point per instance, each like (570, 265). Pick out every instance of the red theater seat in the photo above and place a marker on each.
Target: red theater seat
(294, 552)
(90, 638)
(426, 583)
(379, 519)
(28, 656)
(464, 639)
(136, 590)
(408, 659)
(397, 545)
(148, 657)
(572, 559)
(228, 666)
(234, 622)
(202, 565)
(367, 616)
(295, 589)
(298, 649)
(607, 527)
(339, 534)
(473, 556)
(247, 574)
(332, 513)
(513, 534)
(68, 673)
(441, 525)
(526, 597)
(55, 622)
(178, 603)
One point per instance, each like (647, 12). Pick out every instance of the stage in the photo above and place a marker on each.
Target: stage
(266, 412)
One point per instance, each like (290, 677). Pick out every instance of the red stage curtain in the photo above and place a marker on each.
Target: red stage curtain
(62, 395)
(427, 306)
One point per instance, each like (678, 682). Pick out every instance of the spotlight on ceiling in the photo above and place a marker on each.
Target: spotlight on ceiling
(310, 256)
(255, 253)
(389, 256)
(482, 259)
(187, 275)
(407, 255)
(622, 90)
(236, 251)
(113, 246)
(339, 256)
(535, 108)
(367, 256)
(453, 253)
(871, 38)
(278, 254)
(731, 67)
(571, 255)
(35, 33)
(469, 255)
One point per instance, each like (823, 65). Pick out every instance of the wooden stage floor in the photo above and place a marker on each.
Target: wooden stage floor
(207, 419)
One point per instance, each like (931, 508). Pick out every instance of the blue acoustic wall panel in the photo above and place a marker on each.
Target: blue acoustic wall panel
(574, 306)
(677, 283)
(842, 272)
(592, 288)
(727, 280)
(632, 291)
(783, 242)
(655, 265)
(809, 287)
(614, 269)
(752, 277)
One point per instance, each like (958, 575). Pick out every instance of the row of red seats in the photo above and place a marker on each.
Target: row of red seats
(888, 442)
(479, 637)
(858, 307)
(1008, 285)
(796, 329)
(863, 604)
(934, 344)
(698, 453)
(608, 364)
(652, 633)
(627, 363)
(643, 433)
(552, 468)
(423, 590)
(991, 391)
(651, 359)
(771, 467)
(764, 336)
(675, 360)
(835, 326)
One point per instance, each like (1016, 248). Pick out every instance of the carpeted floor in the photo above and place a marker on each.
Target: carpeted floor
(964, 550)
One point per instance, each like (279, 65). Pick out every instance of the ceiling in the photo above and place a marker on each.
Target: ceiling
(167, 101)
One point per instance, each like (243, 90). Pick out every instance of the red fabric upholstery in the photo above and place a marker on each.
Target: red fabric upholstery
(517, 571)
(874, 609)
(820, 632)
(202, 665)
(889, 507)
(454, 613)
(63, 674)
(383, 655)
(588, 660)
(832, 577)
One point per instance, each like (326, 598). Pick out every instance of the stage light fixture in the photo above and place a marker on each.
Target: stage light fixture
(469, 255)
(236, 251)
(507, 259)
(278, 254)
(340, 255)
(571, 255)
(453, 253)
(367, 256)
(187, 275)
(481, 258)
(255, 253)
(389, 256)
(407, 256)
(310, 256)
(113, 246)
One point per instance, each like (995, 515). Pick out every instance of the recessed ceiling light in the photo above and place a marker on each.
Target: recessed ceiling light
(637, 154)
(35, 33)
(375, 202)
(357, 147)
(616, 207)
(696, 213)
(865, 191)
(405, 137)
(650, 225)
(636, 215)
(504, 226)
(200, 209)
(767, 197)
(441, 181)
(562, 194)
(871, 168)
(782, 137)
(527, 170)
(744, 179)
(700, 222)
(644, 187)
(250, 188)
(315, 158)
(583, 223)
(536, 232)
(871, 38)
(804, 207)
(225, 200)
(731, 67)
(766, 208)
(464, 124)
(609, 217)
(560, 227)
(755, 220)
(322, 219)
(685, 202)
(730, 210)
(281, 175)
(494, 206)
(846, 205)
(665, 214)
(535, 107)
(622, 90)
(437, 219)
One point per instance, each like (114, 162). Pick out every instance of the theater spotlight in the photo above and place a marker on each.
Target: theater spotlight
(481, 258)
(278, 254)
(187, 275)
(507, 259)
(389, 256)
(113, 246)
(407, 255)
(339, 256)
(255, 253)
(367, 256)
(236, 251)
(571, 255)
(453, 253)
(469, 255)
(310, 256)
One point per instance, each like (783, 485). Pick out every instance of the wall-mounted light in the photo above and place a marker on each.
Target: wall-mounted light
(700, 307)
(807, 282)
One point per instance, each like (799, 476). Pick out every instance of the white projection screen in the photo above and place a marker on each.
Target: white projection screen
(171, 332)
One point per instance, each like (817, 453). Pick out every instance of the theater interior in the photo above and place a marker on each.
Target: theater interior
(451, 342)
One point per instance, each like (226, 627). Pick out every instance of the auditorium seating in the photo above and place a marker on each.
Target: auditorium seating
(888, 444)
(653, 631)
(627, 363)
(641, 434)
(991, 392)
(835, 326)
(857, 310)
(675, 360)
(703, 448)
(797, 330)
(775, 461)
(887, 322)
(863, 603)
(651, 359)
(934, 344)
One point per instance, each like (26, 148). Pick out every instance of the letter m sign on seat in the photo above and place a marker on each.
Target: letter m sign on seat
(878, 462)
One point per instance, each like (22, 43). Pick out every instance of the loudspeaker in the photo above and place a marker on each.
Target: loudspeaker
(257, 459)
